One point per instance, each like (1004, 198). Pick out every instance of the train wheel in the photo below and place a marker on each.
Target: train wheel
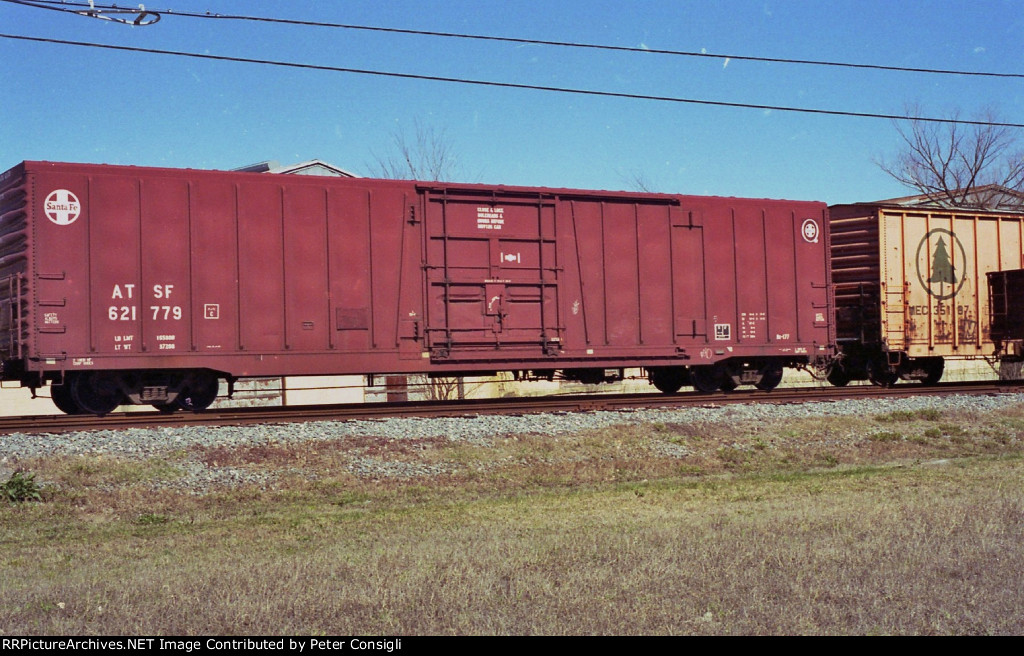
(97, 392)
(61, 395)
(771, 376)
(935, 368)
(200, 391)
(880, 374)
(708, 378)
(668, 380)
(839, 376)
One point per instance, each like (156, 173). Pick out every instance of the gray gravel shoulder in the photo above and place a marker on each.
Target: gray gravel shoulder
(138, 443)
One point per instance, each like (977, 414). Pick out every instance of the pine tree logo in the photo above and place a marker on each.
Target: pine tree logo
(941, 261)
(942, 268)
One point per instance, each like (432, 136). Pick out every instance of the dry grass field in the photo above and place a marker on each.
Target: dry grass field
(900, 523)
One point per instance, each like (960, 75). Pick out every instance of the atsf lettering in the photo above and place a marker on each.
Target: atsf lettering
(131, 311)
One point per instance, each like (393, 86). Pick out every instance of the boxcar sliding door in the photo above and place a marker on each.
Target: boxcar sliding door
(491, 275)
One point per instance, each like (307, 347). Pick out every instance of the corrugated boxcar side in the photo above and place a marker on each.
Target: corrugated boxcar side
(767, 269)
(15, 253)
(624, 272)
(254, 274)
(704, 276)
(606, 278)
(913, 279)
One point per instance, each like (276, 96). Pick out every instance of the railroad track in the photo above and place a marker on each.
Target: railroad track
(469, 407)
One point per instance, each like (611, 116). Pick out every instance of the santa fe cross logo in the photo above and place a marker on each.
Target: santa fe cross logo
(62, 207)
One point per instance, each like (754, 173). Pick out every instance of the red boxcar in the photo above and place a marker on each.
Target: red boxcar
(142, 285)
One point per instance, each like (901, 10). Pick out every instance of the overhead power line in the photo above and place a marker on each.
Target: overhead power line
(138, 17)
(505, 85)
(56, 4)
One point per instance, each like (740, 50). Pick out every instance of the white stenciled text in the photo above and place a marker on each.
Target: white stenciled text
(126, 306)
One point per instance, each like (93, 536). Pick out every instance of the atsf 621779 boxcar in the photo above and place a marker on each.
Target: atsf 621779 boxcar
(147, 286)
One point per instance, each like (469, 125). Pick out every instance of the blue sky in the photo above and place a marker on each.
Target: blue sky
(66, 103)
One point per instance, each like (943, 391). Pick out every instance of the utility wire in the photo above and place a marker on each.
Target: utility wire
(113, 13)
(523, 41)
(507, 85)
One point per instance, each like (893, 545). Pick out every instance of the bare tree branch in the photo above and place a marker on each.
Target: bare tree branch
(637, 180)
(426, 155)
(958, 165)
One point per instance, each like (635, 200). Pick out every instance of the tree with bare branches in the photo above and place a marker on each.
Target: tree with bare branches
(957, 164)
(425, 155)
(637, 180)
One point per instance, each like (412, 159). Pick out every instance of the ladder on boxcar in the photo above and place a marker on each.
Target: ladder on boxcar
(894, 318)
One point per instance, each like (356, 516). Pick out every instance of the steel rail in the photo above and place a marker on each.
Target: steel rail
(471, 407)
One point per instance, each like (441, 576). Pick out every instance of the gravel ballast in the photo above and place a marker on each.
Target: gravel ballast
(137, 443)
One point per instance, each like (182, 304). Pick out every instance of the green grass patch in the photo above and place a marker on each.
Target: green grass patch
(810, 526)
(21, 486)
(924, 414)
